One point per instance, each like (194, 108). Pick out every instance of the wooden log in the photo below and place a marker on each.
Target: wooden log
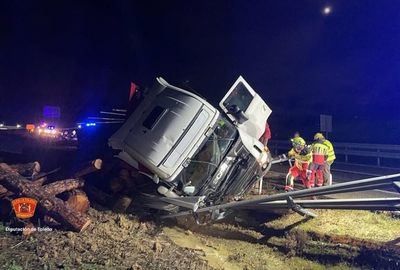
(47, 202)
(27, 169)
(39, 181)
(3, 190)
(63, 185)
(78, 201)
(53, 188)
(61, 212)
(93, 166)
(6, 195)
(45, 175)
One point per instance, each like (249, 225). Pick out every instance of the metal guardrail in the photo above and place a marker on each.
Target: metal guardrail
(378, 151)
(277, 200)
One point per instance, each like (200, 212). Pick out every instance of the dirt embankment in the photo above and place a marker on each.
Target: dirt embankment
(113, 241)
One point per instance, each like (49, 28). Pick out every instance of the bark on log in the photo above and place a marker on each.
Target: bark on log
(39, 181)
(3, 190)
(27, 169)
(6, 195)
(47, 202)
(63, 185)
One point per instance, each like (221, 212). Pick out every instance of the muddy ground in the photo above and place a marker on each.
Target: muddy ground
(124, 241)
(112, 241)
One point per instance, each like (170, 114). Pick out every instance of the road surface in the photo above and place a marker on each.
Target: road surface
(344, 172)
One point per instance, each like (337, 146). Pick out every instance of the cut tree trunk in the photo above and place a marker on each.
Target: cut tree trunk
(93, 166)
(27, 169)
(45, 195)
(78, 201)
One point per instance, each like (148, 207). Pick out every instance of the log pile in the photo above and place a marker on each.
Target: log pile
(25, 180)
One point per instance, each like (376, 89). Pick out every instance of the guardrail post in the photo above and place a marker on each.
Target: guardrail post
(378, 160)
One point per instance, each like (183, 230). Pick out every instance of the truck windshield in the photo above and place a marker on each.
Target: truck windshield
(206, 161)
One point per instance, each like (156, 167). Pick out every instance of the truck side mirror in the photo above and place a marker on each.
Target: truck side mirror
(239, 115)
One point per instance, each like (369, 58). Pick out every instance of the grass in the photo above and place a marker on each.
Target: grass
(363, 225)
(13, 266)
(237, 253)
(2, 228)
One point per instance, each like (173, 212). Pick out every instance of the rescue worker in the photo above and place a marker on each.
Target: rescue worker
(319, 160)
(302, 159)
(329, 161)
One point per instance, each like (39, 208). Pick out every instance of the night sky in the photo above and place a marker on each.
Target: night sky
(82, 56)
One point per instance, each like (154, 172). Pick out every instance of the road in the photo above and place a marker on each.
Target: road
(344, 172)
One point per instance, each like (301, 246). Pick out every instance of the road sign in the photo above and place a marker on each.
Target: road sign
(325, 123)
(51, 112)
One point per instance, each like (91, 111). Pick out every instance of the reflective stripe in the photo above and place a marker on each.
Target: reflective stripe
(299, 157)
(320, 149)
(319, 152)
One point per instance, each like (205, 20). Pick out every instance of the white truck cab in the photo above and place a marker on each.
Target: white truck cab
(192, 148)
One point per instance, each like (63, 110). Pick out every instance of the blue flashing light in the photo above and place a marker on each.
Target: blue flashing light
(79, 126)
(90, 124)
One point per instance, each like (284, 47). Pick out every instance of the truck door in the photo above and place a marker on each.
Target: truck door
(246, 108)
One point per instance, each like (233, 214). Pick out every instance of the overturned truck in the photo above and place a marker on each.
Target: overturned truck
(195, 153)
(202, 159)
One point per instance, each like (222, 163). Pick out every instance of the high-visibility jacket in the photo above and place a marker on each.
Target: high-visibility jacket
(331, 152)
(302, 157)
(319, 153)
